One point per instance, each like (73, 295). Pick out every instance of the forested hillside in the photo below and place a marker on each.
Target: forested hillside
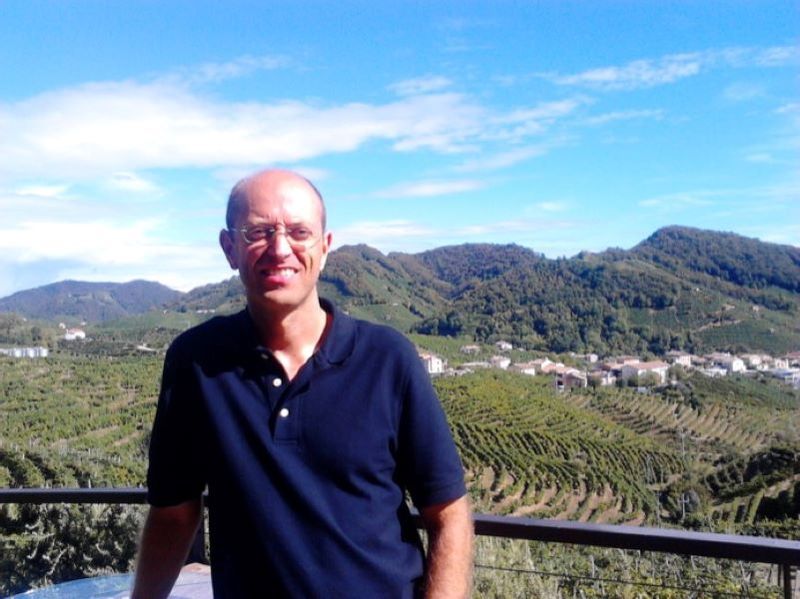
(681, 288)
(75, 301)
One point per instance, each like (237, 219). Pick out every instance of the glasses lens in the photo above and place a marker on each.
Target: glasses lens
(297, 236)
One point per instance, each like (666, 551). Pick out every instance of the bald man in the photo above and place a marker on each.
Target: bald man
(308, 428)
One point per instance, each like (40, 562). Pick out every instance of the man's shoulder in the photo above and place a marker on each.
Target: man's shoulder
(382, 340)
(217, 334)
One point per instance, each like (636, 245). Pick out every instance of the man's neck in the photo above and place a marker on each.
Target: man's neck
(293, 336)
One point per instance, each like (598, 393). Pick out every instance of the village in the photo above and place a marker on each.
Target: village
(619, 370)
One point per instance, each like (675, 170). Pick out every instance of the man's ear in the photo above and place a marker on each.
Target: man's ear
(327, 240)
(226, 243)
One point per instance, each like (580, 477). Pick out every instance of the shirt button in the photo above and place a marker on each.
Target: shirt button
(284, 412)
(276, 382)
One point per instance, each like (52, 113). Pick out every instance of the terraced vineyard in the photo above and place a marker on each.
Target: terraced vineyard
(76, 421)
(619, 456)
(723, 455)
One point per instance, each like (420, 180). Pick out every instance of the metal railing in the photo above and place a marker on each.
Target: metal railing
(784, 553)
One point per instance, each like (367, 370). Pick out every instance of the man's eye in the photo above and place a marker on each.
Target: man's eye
(258, 233)
(300, 233)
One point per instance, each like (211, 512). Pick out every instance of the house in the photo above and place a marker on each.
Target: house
(504, 346)
(545, 366)
(726, 361)
(433, 363)
(679, 357)
(73, 334)
(603, 377)
(568, 378)
(502, 362)
(25, 352)
(790, 376)
(528, 368)
(640, 369)
(755, 361)
(470, 350)
(714, 371)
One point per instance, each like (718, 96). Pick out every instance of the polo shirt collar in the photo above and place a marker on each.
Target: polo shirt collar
(336, 348)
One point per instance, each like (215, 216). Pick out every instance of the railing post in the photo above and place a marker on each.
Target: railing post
(197, 552)
(787, 580)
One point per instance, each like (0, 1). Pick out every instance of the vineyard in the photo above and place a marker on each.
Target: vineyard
(721, 455)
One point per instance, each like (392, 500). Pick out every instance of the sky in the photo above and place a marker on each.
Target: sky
(560, 126)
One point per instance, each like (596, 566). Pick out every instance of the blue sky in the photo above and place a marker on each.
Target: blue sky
(560, 126)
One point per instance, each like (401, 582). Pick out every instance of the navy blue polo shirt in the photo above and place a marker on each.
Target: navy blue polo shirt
(307, 479)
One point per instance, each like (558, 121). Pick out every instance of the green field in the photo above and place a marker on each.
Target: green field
(715, 454)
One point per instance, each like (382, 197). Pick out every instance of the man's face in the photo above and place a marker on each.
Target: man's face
(279, 276)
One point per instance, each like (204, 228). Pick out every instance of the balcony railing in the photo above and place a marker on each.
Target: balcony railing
(784, 553)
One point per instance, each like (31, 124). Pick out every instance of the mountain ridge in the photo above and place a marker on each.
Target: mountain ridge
(680, 288)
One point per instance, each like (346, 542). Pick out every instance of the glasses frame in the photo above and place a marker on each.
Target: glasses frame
(273, 231)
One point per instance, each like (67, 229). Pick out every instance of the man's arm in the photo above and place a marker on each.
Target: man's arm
(166, 538)
(450, 532)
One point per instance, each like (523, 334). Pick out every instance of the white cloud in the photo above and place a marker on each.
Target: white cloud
(216, 72)
(742, 92)
(760, 158)
(426, 189)
(551, 206)
(646, 73)
(97, 128)
(680, 200)
(127, 181)
(505, 159)
(624, 115)
(42, 190)
(635, 74)
(523, 122)
(420, 85)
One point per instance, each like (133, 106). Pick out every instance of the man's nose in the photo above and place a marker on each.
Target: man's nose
(279, 244)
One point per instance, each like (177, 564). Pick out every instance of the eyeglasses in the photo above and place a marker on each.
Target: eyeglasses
(298, 236)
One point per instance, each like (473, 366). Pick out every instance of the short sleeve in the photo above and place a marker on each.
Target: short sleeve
(430, 463)
(176, 469)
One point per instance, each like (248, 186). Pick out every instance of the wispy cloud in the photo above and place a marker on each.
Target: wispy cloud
(551, 206)
(624, 115)
(645, 73)
(128, 181)
(420, 85)
(681, 200)
(95, 129)
(42, 190)
(505, 159)
(427, 189)
(217, 72)
(743, 92)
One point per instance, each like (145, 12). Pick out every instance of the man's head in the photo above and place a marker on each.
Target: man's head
(276, 239)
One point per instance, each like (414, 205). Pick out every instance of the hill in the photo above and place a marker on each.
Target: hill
(680, 288)
(93, 302)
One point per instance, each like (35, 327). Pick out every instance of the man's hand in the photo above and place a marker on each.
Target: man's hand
(166, 538)
(450, 533)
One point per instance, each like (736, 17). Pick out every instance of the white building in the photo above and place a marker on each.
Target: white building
(470, 350)
(25, 352)
(504, 346)
(528, 368)
(433, 363)
(679, 357)
(501, 362)
(73, 334)
(659, 369)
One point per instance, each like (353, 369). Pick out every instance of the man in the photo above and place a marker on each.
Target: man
(307, 426)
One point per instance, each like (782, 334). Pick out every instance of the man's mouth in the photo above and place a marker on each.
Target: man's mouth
(283, 273)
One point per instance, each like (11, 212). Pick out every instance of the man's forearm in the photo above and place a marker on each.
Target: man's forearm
(166, 538)
(450, 540)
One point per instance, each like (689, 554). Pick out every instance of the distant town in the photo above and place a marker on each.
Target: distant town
(622, 369)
